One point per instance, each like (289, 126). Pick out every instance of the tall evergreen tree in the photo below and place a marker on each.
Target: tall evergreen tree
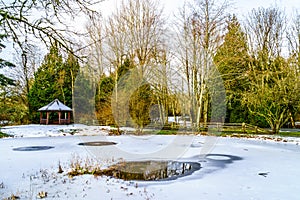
(232, 60)
(103, 100)
(104, 92)
(139, 106)
(53, 80)
(4, 80)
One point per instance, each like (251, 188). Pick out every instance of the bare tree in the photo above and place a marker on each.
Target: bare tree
(265, 29)
(200, 34)
(27, 61)
(135, 32)
(94, 49)
(293, 37)
(274, 82)
(43, 21)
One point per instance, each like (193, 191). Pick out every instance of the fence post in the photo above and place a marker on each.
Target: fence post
(244, 127)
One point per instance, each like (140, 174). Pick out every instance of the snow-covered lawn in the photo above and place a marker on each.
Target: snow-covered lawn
(232, 168)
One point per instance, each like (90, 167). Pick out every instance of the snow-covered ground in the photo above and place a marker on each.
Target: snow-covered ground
(232, 168)
(35, 130)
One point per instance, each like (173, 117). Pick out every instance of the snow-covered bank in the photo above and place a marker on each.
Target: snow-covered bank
(236, 168)
(35, 130)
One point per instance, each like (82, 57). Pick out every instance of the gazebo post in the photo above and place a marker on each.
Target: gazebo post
(47, 119)
(59, 116)
(69, 117)
(41, 117)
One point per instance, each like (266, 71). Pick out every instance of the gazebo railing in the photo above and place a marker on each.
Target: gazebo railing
(43, 121)
(55, 120)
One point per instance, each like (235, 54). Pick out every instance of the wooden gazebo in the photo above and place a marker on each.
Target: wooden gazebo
(55, 113)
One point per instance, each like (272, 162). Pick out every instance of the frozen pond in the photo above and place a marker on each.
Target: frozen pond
(232, 169)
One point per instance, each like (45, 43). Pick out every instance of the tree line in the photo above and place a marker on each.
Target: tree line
(136, 67)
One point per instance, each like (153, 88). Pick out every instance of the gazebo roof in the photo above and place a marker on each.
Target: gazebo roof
(55, 105)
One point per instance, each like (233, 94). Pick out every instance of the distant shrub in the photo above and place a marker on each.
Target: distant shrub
(2, 135)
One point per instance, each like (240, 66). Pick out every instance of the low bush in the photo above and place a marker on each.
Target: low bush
(3, 135)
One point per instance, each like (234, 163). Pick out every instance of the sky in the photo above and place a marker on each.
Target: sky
(241, 7)
(245, 6)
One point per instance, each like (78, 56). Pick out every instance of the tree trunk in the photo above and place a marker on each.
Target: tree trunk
(73, 88)
(205, 110)
(199, 103)
(276, 128)
(292, 120)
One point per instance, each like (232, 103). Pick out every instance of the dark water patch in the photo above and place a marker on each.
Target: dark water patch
(97, 143)
(33, 148)
(222, 158)
(215, 162)
(152, 170)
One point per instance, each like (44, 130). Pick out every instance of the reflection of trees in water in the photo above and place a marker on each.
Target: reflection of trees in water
(154, 170)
